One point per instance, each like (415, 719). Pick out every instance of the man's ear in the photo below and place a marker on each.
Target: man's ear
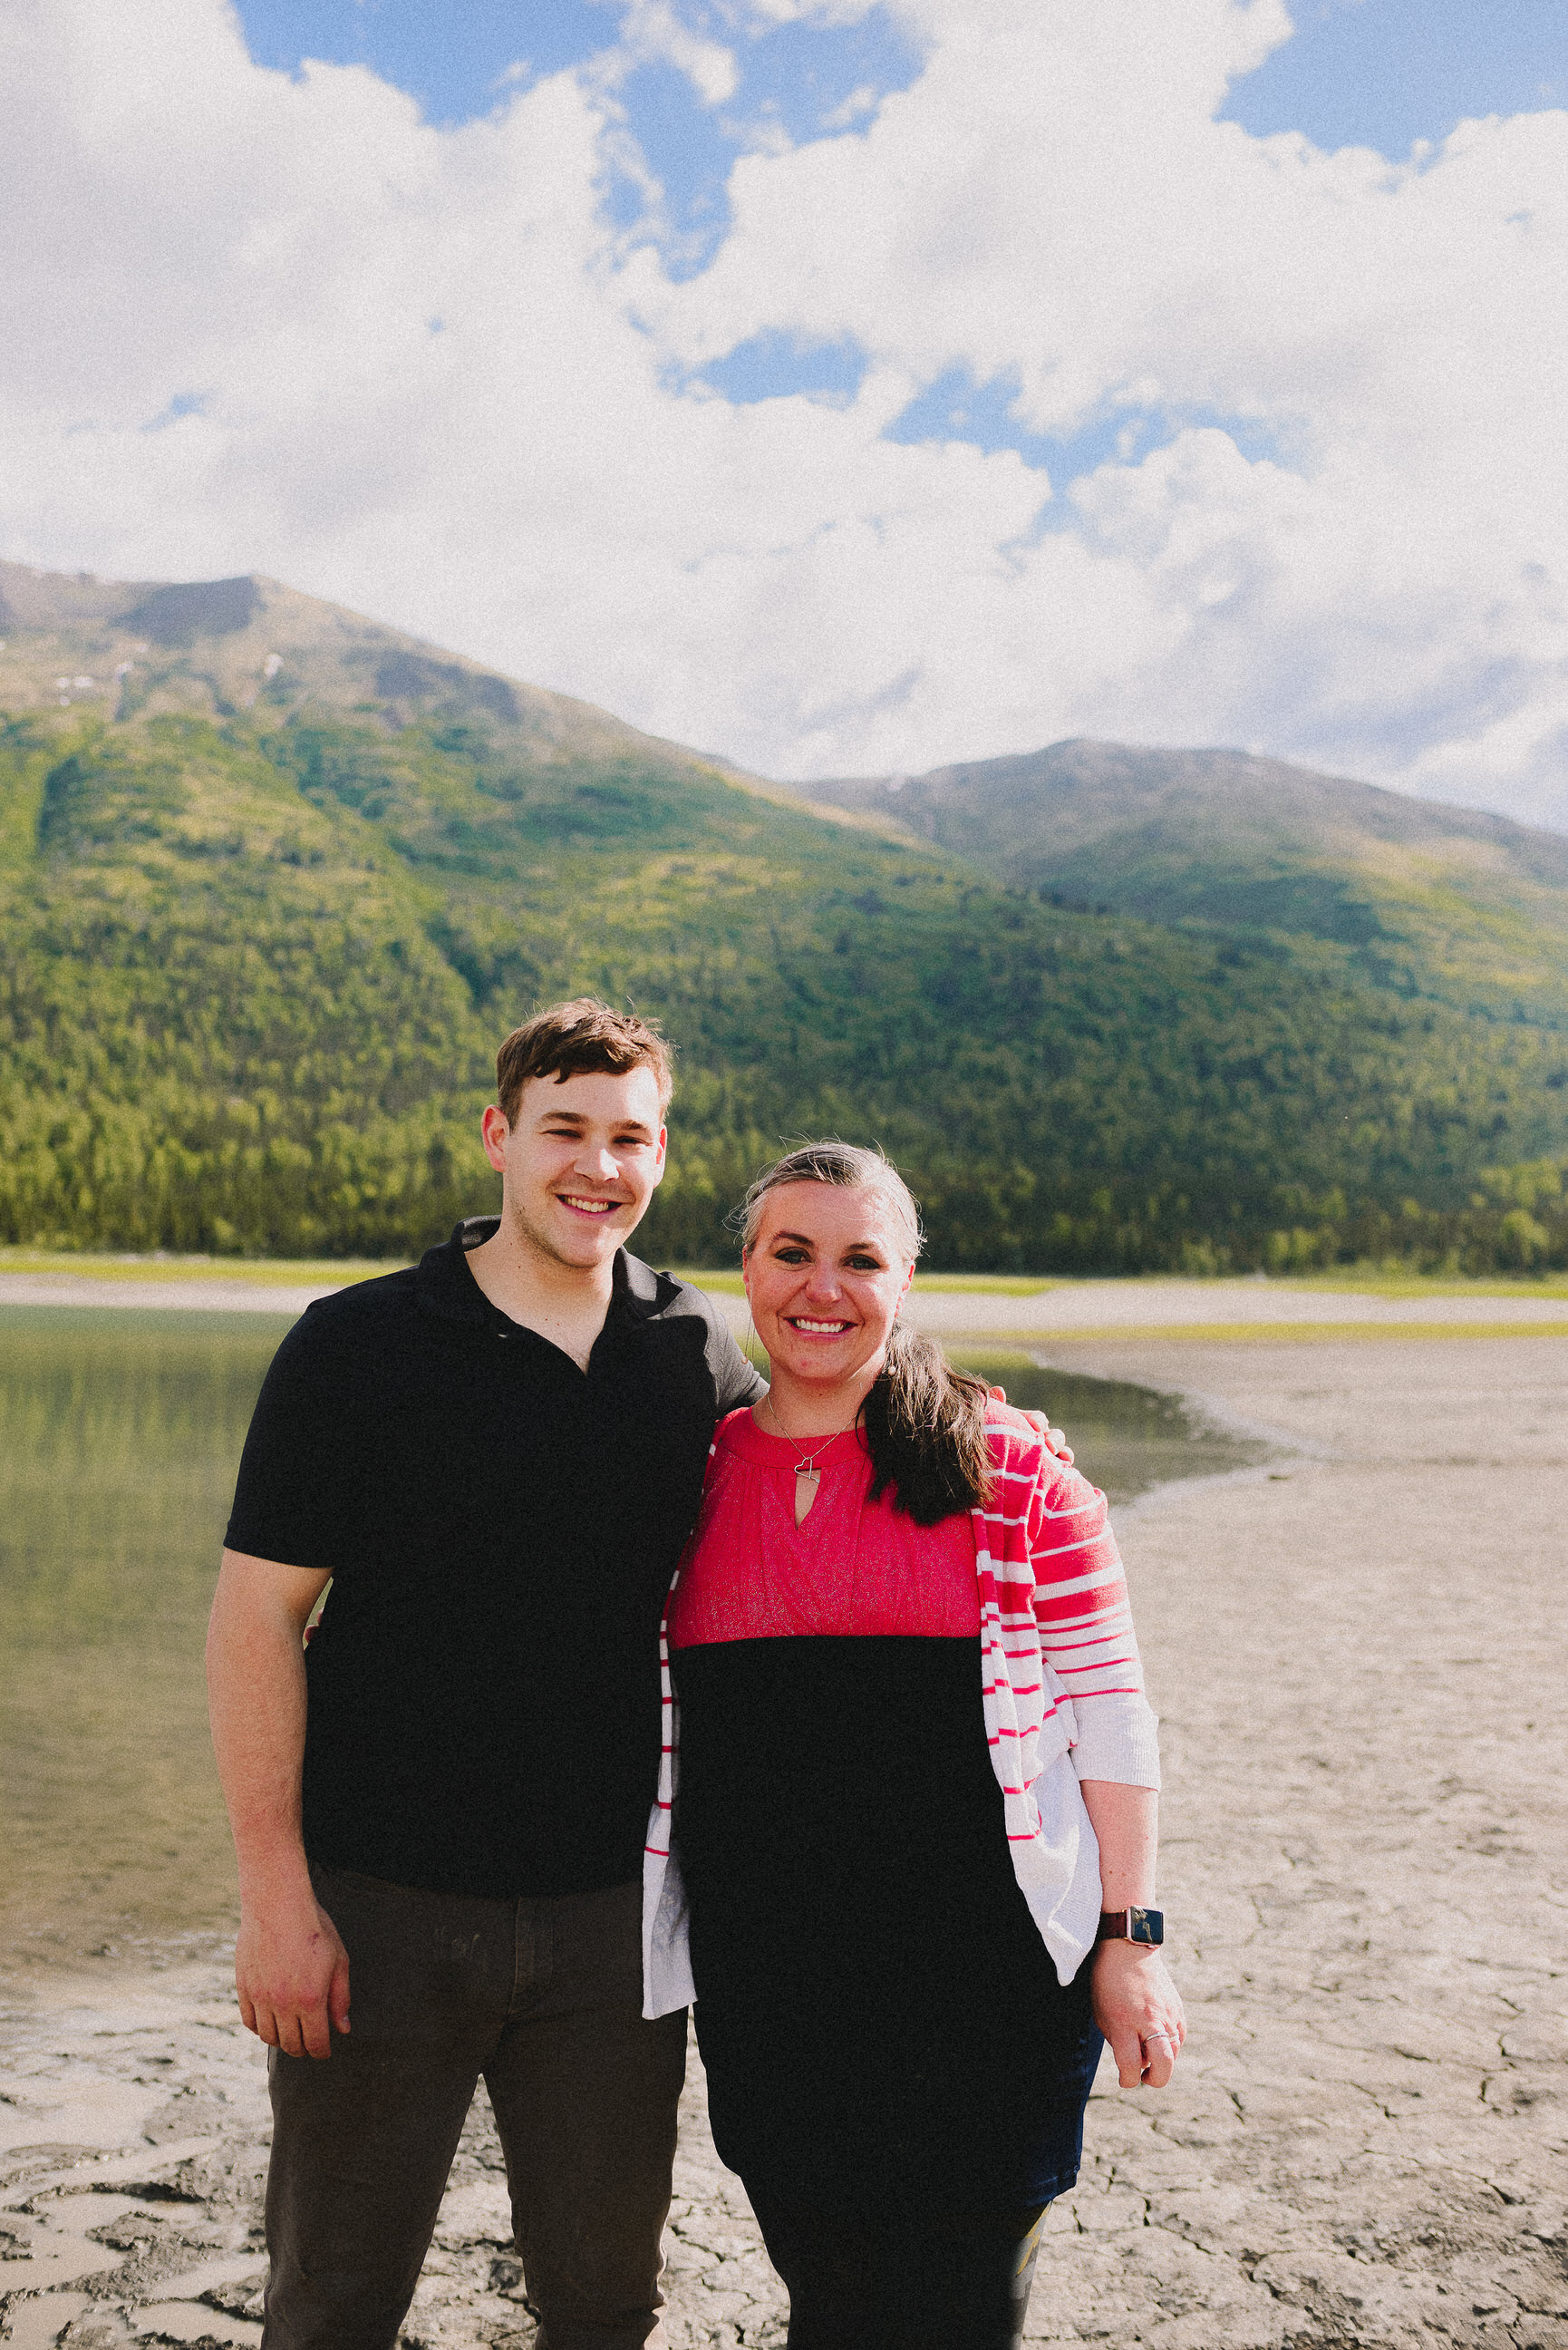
(663, 1158)
(494, 1132)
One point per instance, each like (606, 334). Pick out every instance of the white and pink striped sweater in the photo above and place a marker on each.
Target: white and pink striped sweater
(1060, 1689)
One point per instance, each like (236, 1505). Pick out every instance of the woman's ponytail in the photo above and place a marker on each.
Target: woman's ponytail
(925, 1429)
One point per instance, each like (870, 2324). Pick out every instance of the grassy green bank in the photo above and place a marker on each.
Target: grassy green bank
(306, 1273)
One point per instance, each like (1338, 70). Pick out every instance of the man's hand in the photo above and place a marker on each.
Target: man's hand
(1138, 2010)
(291, 1972)
(1053, 1438)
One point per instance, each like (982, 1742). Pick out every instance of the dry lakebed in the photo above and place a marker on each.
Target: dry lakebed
(1356, 1642)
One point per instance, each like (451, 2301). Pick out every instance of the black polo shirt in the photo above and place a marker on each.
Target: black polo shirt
(501, 1528)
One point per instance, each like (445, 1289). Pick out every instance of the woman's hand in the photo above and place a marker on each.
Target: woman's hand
(1137, 2008)
(1053, 1438)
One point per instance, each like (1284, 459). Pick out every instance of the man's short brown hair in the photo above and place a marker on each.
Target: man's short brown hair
(575, 1039)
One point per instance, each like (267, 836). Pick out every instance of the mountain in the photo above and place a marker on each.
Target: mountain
(1465, 907)
(273, 880)
(227, 649)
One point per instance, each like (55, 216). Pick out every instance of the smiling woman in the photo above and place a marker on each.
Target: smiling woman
(831, 1235)
(825, 1272)
(865, 1877)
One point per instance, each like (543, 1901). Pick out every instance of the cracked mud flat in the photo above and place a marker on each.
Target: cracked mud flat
(1358, 1657)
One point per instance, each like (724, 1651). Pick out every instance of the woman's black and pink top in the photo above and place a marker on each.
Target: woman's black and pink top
(1034, 1579)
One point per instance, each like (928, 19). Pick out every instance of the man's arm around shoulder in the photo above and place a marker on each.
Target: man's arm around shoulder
(291, 1971)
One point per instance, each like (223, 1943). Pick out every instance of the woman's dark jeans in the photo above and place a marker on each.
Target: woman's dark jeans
(863, 2278)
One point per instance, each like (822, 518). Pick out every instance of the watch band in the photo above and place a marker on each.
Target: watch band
(1145, 1926)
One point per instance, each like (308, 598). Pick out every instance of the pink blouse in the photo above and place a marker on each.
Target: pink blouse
(1057, 1677)
(852, 1565)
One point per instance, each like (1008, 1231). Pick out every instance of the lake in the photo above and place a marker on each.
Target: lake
(1127, 1440)
(119, 1434)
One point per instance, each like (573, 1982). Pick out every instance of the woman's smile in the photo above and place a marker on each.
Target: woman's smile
(825, 1276)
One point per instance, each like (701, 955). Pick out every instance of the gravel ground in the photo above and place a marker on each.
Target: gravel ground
(1356, 1654)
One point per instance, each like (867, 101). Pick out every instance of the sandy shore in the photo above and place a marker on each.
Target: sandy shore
(1357, 1654)
(1133, 1309)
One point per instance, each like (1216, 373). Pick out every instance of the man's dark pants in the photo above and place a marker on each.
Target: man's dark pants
(542, 1997)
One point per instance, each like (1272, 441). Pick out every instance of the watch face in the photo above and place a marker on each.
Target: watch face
(1146, 1926)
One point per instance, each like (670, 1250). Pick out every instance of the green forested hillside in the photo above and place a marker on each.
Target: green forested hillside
(256, 960)
(1467, 908)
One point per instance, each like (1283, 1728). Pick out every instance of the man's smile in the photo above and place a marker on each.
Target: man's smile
(586, 1206)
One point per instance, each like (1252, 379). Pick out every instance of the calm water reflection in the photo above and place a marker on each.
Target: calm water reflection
(1127, 1440)
(119, 1433)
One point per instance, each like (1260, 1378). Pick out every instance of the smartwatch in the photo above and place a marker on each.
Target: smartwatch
(1146, 1926)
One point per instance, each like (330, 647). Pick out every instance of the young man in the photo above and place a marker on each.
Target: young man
(440, 1811)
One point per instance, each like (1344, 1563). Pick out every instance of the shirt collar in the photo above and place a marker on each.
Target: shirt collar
(447, 1288)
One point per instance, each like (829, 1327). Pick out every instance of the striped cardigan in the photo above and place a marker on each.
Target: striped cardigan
(1061, 1690)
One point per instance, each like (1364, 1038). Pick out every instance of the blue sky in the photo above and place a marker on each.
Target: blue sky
(457, 58)
(1384, 73)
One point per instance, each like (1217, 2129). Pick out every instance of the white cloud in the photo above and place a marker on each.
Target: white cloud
(1051, 204)
(652, 30)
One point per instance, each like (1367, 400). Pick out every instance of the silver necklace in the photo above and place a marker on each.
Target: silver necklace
(806, 1465)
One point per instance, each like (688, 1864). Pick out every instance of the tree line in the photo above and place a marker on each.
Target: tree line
(253, 977)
